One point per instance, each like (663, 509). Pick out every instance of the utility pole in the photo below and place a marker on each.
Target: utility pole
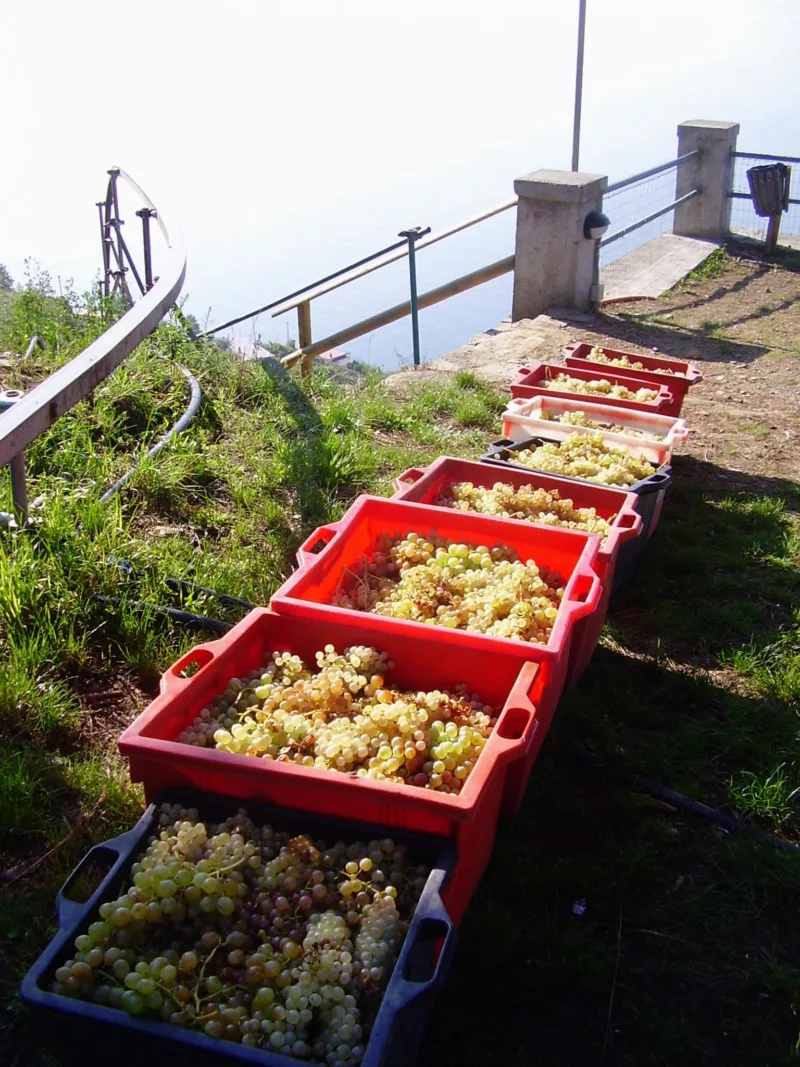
(576, 125)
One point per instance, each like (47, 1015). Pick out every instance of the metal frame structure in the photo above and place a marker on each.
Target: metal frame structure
(35, 412)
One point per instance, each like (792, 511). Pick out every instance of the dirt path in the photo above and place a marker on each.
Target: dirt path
(738, 318)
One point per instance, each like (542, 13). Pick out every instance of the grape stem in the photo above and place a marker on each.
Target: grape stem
(201, 976)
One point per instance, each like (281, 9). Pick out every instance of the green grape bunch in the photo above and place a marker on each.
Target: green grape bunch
(243, 933)
(589, 457)
(347, 717)
(580, 418)
(459, 586)
(525, 502)
(600, 387)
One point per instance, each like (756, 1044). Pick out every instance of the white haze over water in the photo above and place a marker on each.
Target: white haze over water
(289, 139)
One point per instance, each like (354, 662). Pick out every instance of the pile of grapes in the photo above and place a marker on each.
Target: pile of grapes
(460, 586)
(346, 717)
(597, 355)
(523, 502)
(600, 387)
(589, 457)
(245, 933)
(580, 418)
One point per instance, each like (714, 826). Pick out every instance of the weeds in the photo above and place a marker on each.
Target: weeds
(711, 267)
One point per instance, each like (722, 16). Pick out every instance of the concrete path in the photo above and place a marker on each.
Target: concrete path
(654, 267)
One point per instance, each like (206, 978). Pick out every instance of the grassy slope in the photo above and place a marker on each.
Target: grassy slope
(687, 951)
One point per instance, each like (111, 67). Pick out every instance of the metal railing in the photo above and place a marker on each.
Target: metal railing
(34, 412)
(744, 222)
(635, 203)
(301, 299)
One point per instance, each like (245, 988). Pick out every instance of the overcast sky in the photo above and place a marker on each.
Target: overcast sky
(285, 143)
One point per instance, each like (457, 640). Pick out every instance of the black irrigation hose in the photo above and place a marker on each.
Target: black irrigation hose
(180, 585)
(184, 618)
(679, 800)
(179, 427)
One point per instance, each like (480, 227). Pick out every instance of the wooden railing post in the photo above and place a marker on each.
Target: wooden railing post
(303, 323)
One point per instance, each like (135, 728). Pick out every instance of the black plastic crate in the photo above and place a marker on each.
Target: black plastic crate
(83, 1033)
(651, 492)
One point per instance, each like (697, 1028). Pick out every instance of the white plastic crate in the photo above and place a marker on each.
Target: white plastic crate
(524, 418)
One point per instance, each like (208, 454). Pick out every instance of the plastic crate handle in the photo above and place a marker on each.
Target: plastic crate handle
(584, 580)
(680, 433)
(500, 445)
(521, 374)
(408, 477)
(513, 734)
(308, 551)
(629, 525)
(199, 656)
(120, 847)
(431, 910)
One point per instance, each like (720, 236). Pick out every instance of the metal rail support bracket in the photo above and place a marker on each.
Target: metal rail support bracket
(412, 235)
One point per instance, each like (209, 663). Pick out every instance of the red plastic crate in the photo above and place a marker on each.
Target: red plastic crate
(310, 590)
(616, 505)
(529, 382)
(684, 374)
(525, 691)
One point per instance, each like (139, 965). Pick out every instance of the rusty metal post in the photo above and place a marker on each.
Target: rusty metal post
(19, 488)
(106, 264)
(126, 252)
(145, 214)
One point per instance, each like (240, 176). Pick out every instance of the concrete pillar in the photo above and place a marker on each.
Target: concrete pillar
(709, 214)
(554, 262)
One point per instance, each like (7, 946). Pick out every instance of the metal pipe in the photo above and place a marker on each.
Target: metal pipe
(105, 247)
(179, 427)
(747, 196)
(650, 218)
(305, 289)
(653, 170)
(129, 257)
(412, 236)
(145, 215)
(576, 122)
(412, 273)
(399, 311)
(426, 243)
(117, 224)
(40, 408)
(765, 155)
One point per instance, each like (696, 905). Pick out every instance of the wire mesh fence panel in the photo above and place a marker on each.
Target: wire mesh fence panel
(631, 203)
(744, 221)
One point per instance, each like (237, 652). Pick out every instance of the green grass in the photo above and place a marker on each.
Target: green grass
(757, 429)
(711, 267)
(688, 950)
(711, 326)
